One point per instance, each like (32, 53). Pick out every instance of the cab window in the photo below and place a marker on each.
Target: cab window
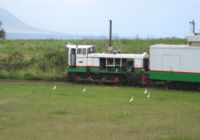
(79, 51)
(84, 52)
(91, 50)
(110, 61)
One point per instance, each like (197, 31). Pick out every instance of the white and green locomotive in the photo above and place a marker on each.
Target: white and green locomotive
(86, 65)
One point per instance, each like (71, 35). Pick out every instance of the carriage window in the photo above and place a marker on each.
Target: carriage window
(117, 62)
(73, 51)
(103, 63)
(124, 62)
(84, 52)
(130, 63)
(110, 61)
(79, 51)
(92, 50)
(89, 50)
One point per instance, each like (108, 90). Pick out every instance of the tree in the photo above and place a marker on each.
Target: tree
(2, 32)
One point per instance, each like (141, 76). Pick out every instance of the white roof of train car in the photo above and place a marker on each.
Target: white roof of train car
(165, 46)
(107, 55)
(118, 55)
(177, 58)
(80, 46)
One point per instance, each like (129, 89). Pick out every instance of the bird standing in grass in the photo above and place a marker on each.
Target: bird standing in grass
(145, 91)
(131, 99)
(54, 87)
(149, 95)
(84, 89)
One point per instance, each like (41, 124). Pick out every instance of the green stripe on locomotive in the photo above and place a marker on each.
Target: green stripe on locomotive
(83, 69)
(94, 70)
(72, 69)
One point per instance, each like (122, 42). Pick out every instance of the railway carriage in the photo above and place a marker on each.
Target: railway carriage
(176, 65)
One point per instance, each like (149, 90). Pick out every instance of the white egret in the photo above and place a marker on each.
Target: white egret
(145, 91)
(148, 96)
(54, 87)
(131, 99)
(84, 89)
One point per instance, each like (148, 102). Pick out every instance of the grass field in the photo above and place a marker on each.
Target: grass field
(47, 59)
(34, 111)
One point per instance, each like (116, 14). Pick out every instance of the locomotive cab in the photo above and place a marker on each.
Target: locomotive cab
(78, 54)
(86, 65)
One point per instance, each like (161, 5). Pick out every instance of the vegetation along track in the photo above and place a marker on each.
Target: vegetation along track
(157, 86)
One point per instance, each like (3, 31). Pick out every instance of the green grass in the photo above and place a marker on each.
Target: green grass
(47, 59)
(33, 111)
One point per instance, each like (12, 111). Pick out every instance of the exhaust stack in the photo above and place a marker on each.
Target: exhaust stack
(110, 49)
(192, 27)
(194, 38)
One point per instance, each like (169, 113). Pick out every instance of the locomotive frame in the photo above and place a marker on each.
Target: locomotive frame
(86, 65)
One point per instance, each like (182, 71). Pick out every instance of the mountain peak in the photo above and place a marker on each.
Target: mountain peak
(9, 21)
(17, 29)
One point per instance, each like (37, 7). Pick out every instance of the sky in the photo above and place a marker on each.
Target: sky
(131, 18)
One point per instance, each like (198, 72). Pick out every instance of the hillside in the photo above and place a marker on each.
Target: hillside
(17, 29)
(47, 59)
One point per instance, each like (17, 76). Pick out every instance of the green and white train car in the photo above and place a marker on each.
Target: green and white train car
(177, 65)
(86, 65)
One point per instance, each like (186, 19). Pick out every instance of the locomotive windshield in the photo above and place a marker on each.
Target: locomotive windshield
(91, 50)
